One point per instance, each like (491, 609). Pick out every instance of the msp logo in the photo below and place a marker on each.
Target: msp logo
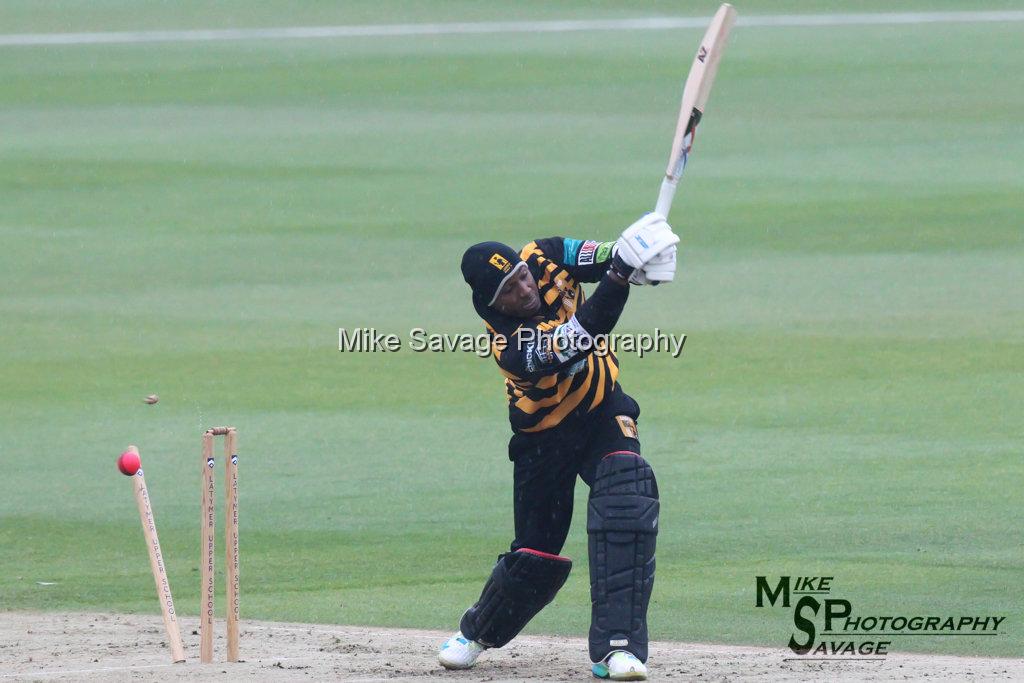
(500, 262)
(828, 628)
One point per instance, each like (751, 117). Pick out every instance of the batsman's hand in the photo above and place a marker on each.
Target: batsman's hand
(642, 242)
(645, 239)
(661, 268)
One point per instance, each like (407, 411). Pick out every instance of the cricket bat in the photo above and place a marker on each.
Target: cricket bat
(695, 97)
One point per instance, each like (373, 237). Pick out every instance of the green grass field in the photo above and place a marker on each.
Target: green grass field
(198, 219)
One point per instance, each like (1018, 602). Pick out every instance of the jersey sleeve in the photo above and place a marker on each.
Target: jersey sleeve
(585, 260)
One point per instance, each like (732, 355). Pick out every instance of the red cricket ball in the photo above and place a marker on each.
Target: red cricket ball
(129, 463)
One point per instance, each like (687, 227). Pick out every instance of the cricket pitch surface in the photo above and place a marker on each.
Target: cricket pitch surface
(125, 647)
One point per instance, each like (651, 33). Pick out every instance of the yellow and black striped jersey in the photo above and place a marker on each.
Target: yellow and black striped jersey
(551, 373)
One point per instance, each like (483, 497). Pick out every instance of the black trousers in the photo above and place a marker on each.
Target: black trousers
(546, 465)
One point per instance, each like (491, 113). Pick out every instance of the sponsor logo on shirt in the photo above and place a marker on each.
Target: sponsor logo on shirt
(587, 253)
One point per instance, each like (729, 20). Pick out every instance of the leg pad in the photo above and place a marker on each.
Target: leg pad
(622, 528)
(522, 583)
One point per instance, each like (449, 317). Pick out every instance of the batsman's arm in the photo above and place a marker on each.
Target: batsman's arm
(540, 349)
(584, 260)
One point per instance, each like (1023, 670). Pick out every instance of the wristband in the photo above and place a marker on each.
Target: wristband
(621, 268)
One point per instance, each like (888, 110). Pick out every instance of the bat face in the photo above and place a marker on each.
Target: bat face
(695, 97)
(701, 77)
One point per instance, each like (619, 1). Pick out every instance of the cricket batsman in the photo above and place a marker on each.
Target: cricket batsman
(570, 417)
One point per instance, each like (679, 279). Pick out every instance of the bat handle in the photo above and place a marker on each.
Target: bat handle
(665, 196)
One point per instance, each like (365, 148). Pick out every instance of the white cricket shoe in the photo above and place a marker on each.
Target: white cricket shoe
(620, 666)
(459, 652)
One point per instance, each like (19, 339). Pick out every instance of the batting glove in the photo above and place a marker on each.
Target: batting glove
(661, 268)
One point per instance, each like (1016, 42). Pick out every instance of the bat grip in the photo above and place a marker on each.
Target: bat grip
(665, 196)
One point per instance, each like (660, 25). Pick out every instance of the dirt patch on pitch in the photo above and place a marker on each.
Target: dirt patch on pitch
(117, 647)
